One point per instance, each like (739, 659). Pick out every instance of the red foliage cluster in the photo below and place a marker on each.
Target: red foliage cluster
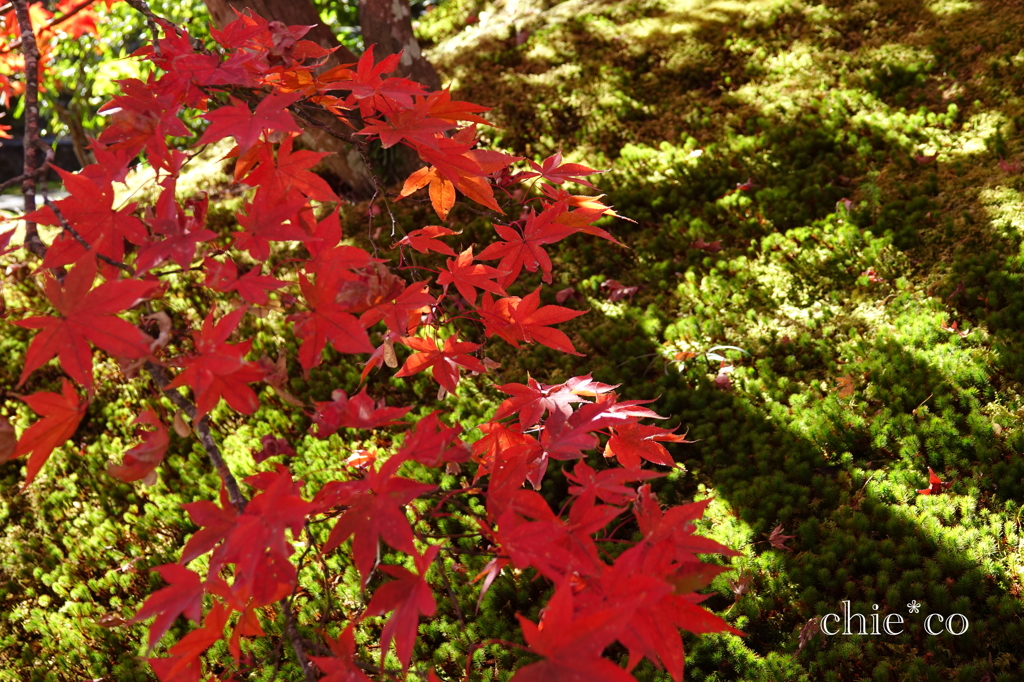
(252, 91)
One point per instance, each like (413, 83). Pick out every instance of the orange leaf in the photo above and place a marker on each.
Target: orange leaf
(442, 196)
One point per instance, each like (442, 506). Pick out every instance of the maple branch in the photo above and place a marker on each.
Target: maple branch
(152, 21)
(323, 567)
(205, 437)
(74, 233)
(31, 137)
(237, 499)
(36, 174)
(448, 587)
(297, 645)
(352, 119)
(178, 271)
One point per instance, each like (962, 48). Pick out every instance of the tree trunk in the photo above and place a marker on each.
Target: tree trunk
(388, 25)
(343, 160)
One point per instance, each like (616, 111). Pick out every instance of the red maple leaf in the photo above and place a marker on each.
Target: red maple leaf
(85, 315)
(268, 218)
(142, 118)
(556, 172)
(402, 314)
(523, 319)
(778, 540)
(499, 438)
(606, 485)
(247, 126)
(290, 172)
(531, 534)
(252, 286)
(329, 258)
(257, 545)
(272, 447)
(676, 526)
(533, 399)
(524, 250)
(710, 247)
(571, 646)
(432, 443)
(357, 412)
(183, 595)
(407, 123)
(445, 361)
(342, 666)
(657, 597)
(618, 291)
(455, 161)
(61, 414)
(424, 239)
(442, 106)
(409, 596)
(370, 90)
(181, 231)
(218, 369)
(81, 23)
(190, 647)
(590, 209)
(631, 442)
(467, 277)
(935, 484)
(376, 511)
(214, 522)
(326, 320)
(144, 458)
(192, 672)
(441, 191)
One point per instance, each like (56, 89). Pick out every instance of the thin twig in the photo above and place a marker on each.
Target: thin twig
(151, 19)
(448, 586)
(78, 238)
(205, 437)
(329, 608)
(17, 179)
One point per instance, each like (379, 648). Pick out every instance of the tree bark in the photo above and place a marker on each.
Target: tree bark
(388, 25)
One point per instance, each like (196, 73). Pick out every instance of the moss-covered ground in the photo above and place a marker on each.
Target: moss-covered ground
(854, 172)
(859, 164)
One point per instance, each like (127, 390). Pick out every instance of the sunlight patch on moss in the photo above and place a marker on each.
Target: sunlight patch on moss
(1005, 209)
(944, 8)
